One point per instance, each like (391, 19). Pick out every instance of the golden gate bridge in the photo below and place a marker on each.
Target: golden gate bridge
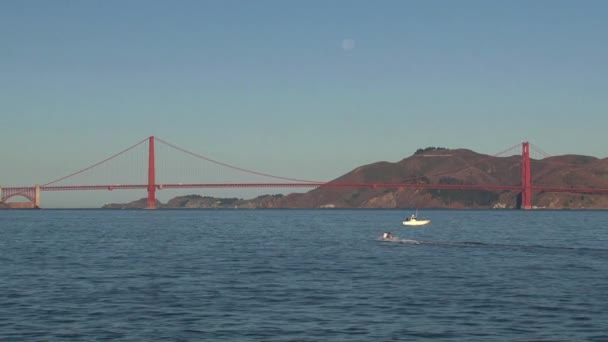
(32, 193)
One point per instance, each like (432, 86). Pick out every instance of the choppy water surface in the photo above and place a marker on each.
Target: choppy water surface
(303, 275)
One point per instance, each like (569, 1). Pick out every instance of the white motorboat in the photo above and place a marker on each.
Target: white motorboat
(414, 221)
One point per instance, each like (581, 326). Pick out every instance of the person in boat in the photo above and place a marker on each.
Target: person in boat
(388, 235)
(413, 217)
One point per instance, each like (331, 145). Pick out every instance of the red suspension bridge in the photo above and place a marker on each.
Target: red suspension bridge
(32, 193)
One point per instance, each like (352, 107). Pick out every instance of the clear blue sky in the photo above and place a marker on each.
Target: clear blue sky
(305, 89)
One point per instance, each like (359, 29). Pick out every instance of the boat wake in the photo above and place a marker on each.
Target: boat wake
(530, 248)
(434, 243)
(396, 239)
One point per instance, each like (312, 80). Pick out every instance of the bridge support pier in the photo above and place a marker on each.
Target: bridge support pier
(37, 196)
(526, 189)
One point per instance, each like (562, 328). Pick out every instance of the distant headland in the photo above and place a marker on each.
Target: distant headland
(431, 166)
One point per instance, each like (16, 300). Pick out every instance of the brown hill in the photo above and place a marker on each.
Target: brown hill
(461, 166)
(574, 171)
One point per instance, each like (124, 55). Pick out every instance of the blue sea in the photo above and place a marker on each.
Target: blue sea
(303, 275)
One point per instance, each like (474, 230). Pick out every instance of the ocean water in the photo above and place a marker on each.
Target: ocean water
(303, 275)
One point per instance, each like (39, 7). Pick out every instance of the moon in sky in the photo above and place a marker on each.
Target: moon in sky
(348, 44)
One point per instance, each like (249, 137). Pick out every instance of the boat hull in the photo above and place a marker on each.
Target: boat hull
(415, 222)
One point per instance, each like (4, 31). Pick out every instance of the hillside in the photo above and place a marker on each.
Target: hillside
(435, 166)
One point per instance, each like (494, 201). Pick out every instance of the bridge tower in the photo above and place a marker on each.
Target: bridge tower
(151, 175)
(526, 191)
